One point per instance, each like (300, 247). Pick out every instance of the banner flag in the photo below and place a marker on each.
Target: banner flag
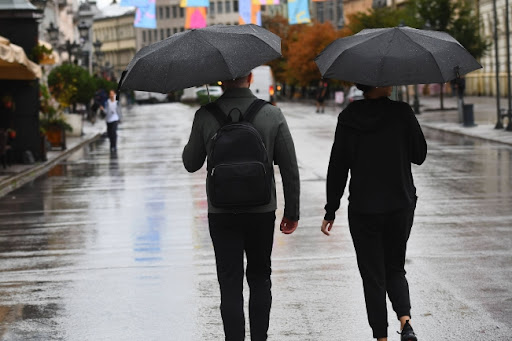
(298, 12)
(249, 12)
(271, 2)
(194, 3)
(133, 3)
(145, 16)
(196, 17)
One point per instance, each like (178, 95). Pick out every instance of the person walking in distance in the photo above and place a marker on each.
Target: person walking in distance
(377, 139)
(238, 229)
(113, 118)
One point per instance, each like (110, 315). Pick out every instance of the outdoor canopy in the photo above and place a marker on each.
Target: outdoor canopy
(200, 56)
(14, 63)
(396, 56)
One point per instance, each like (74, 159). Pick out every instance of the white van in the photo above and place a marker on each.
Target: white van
(149, 97)
(263, 85)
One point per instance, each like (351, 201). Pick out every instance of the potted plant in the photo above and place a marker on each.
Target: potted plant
(51, 120)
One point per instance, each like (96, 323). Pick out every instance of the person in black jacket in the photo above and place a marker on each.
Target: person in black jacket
(377, 139)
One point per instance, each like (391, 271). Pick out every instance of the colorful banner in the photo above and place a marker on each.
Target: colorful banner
(145, 16)
(298, 12)
(133, 3)
(194, 3)
(272, 2)
(196, 17)
(249, 11)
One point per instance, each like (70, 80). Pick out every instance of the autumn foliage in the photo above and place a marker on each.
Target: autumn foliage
(300, 44)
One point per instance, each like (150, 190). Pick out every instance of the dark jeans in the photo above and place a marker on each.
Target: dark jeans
(380, 241)
(232, 234)
(112, 134)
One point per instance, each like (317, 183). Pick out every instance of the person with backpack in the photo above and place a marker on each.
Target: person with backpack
(242, 137)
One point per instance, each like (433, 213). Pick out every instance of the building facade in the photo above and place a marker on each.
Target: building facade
(483, 81)
(113, 27)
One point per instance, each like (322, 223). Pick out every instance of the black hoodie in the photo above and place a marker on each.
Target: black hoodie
(377, 139)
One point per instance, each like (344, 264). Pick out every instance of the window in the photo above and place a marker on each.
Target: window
(182, 12)
(219, 7)
(174, 11)
(182, 29)
(235, 6)
(168, 32)
(227, 6)
(161, 12)
(320, 12)
(167, 12)
(150, 36)
(175, 30)
(212, 8)
(156, 35)
(162, 34)
(144, 36)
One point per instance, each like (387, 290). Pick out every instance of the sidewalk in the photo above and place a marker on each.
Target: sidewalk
(485, 118)
(17, 175)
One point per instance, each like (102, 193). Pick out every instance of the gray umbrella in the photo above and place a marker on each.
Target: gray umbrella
(200, 56)
(396, 56)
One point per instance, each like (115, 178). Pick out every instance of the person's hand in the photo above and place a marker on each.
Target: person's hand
(288, 226)
(327, 226)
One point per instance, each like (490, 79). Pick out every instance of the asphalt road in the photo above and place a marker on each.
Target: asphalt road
(117, 248)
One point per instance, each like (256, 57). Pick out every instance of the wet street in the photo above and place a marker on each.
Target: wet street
(118, 248)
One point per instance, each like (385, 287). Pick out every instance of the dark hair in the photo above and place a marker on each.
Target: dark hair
(364, 88)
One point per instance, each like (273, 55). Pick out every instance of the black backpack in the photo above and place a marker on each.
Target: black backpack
(239, 173)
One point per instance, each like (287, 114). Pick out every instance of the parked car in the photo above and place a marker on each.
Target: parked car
(354, 94)
(149, 97)
(200, 94)
(263, 85)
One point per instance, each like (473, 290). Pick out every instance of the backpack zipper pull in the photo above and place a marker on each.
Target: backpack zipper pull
(213, 170)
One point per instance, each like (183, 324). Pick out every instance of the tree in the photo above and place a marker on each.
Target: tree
(311, 41)
(71, 84)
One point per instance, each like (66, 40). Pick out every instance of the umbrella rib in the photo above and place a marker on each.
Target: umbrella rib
(216, 49)
(424, 49)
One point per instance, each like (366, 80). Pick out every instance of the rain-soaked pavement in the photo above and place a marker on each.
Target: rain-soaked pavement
(117, 248)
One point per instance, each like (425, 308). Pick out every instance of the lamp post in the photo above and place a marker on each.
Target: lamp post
(53, 34)
(83, 31)
(509, 90)
(97, 52)
(499, 123)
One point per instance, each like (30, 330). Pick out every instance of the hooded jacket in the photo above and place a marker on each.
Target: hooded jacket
(377, 140)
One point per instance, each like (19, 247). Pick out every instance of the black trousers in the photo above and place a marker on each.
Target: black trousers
(232, 234)
(112, 134)
(380, 241)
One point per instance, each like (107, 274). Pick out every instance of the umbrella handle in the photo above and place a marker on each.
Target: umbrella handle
(208, 91)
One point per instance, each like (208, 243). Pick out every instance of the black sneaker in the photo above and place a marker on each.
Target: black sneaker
(407, 333)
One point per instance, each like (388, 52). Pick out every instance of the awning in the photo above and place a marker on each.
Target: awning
(14, 63)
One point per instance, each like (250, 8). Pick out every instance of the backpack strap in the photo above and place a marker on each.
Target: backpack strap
(253, 109)
(214, 109)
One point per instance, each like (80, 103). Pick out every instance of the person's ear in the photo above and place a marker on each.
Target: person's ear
(249, 78)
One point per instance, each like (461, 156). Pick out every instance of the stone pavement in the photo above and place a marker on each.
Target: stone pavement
(431, 117)
(16, 175)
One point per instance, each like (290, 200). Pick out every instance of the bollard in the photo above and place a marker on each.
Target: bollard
(468, 115)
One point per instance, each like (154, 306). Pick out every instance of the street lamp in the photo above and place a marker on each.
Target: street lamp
(83, 30)
(53, 33)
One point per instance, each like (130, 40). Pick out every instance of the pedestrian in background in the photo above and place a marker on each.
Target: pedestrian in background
(250, 229)
(377, 140)
(321, 94)
(113, 118)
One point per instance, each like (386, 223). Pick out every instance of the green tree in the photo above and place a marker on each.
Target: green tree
(71, 84)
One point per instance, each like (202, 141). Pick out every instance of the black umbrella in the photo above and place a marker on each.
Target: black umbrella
(396, 56)
(200, 56)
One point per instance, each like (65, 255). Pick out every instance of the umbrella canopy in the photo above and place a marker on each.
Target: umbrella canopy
(396, 56)
(201, 56)
(14, 63)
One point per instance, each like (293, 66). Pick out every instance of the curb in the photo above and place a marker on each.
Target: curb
(463, 134)
(10, 184)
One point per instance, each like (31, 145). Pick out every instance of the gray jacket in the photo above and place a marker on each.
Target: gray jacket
(271, 124)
